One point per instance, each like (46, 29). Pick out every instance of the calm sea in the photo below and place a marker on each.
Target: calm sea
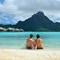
(18, 39)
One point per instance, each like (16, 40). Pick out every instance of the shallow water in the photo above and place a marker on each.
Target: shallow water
(18, 39)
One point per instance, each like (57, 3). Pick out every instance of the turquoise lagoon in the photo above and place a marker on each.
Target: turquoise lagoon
(18, 39)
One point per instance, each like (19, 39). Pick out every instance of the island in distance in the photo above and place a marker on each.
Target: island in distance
(38, 22)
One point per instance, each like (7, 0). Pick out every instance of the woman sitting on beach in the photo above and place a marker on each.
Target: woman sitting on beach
(29, 42)
(38, 43)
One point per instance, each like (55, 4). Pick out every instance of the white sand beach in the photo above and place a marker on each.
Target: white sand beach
(24, 54)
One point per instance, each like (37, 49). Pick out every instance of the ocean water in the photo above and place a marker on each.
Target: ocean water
(18, 39)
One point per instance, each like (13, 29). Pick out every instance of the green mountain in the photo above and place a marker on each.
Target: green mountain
(38, 22)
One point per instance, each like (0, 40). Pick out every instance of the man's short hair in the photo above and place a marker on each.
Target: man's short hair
(38, 36)
(31, 35)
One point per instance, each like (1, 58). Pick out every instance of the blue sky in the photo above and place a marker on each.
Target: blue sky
(1, 1)
(12, 11)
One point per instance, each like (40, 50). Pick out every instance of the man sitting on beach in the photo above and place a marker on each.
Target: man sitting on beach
(29, 42)
(38, 43)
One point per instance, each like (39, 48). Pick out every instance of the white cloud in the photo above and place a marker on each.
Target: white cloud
(11, 11)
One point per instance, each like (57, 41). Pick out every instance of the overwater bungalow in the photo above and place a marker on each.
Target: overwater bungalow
(10, 29)
(1, 29)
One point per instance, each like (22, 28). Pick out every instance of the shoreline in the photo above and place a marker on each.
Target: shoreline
(23, 48)
(26, 54)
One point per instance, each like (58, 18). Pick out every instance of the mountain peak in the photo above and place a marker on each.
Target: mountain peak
(40, 13)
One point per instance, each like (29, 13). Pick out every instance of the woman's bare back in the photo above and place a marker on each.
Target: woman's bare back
(38, 43)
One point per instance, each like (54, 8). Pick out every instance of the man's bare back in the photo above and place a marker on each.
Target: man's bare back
(29, 43)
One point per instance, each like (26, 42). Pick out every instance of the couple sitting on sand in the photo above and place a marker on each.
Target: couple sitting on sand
(36, 44)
